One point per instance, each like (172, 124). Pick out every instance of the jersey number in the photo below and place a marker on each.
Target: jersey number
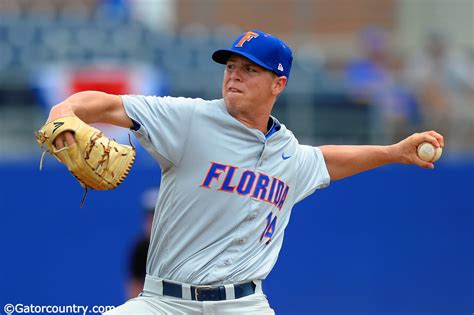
(269, 228)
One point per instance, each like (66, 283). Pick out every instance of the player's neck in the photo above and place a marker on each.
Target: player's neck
(253, 120)
(260, 126)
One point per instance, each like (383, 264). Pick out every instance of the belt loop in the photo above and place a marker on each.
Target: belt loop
(186, 289)
(258, 286)
(229, 291)
(160, 287)
(153, 284)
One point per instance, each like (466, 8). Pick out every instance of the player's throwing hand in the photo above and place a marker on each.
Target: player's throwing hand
(406, 150)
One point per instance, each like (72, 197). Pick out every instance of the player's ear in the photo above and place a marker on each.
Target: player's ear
(279, 84)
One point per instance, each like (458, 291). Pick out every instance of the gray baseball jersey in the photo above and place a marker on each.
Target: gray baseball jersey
(226, 190)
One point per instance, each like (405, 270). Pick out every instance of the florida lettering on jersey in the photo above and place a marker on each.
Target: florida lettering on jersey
(248, 183)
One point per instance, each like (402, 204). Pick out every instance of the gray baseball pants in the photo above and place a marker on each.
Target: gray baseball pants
(151, 301)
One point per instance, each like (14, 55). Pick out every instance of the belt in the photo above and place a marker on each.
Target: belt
(208, 293)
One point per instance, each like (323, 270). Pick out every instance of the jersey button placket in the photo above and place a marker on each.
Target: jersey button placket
(262, 158)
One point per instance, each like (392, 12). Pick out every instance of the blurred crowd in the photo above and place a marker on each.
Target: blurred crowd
(396, 93)
(430, 89)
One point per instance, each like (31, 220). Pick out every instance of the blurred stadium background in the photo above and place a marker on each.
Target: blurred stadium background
(398, 240)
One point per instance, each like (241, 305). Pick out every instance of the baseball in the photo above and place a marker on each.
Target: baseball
(427, 152)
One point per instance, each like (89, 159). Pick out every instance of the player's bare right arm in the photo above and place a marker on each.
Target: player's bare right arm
(90, 107)
(346, 160)
(93, 107)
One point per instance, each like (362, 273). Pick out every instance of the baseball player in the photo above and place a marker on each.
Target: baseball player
(231, 174)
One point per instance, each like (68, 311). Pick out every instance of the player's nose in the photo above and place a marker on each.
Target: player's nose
(236, 74)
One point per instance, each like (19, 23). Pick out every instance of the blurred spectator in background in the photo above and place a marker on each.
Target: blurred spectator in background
(374, 80)
(140, 250)
(444, 84)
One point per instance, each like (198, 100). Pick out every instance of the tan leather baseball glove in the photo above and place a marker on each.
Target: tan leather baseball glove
(96, 161)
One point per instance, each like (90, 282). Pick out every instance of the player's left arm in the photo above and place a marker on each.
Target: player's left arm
(346, 160)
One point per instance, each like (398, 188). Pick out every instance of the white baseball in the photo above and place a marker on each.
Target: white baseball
(427, 152)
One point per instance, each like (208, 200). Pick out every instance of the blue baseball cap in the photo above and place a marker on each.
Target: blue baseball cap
(264, 49)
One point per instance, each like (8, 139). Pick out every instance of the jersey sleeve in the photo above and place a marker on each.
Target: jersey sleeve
(161, 124)
(312, 171)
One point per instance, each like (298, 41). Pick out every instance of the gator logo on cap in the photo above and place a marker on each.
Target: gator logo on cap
(246, 38)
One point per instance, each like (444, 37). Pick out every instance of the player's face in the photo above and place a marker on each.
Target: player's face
(246, 85)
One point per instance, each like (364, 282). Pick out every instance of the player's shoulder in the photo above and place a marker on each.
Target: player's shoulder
(290, 142)
(191, 101)
(169, 100)
(219, 103)
(284, 133)
(210, 107)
